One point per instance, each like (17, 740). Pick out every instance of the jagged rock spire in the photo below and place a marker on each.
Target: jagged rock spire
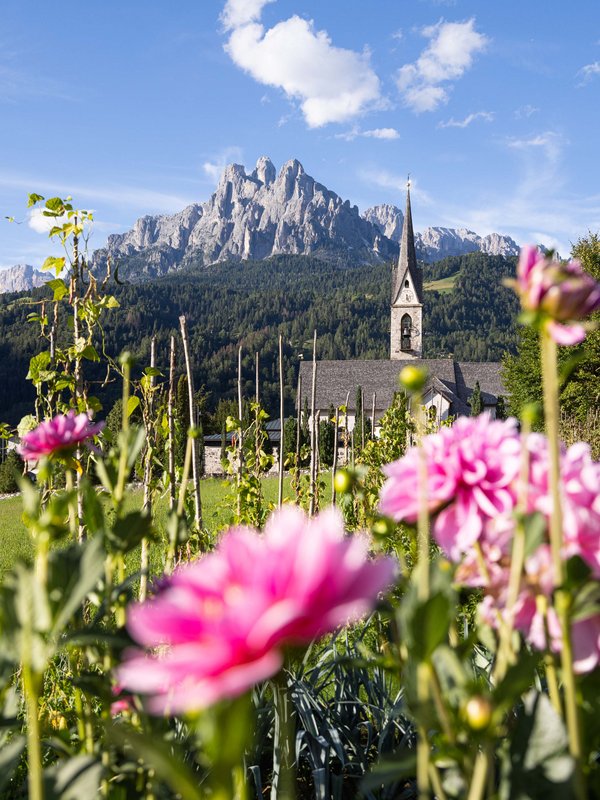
(407, 260)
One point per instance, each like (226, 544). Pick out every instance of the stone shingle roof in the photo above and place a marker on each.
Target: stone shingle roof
(455, 380)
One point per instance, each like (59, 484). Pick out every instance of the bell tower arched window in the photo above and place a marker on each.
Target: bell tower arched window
(405, 332)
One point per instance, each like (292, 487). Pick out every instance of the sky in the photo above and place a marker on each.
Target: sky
(133, 108)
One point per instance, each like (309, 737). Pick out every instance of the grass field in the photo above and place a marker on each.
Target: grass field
(217, 499)
(444, 285)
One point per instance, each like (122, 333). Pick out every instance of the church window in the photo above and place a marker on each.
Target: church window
(405, 332)
(406, 284)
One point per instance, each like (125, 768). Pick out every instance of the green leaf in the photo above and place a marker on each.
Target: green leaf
(32, 199)
(10, 756)
(55, 263)
(72, 574)
(390, 770)
(536, 762)
(132, 404)
(167, 760)
(90, 353)
(518, 679)
(535, 527)
(73, 779)
(55, 204)
(128, 531)
(59, 288)
(429, 625)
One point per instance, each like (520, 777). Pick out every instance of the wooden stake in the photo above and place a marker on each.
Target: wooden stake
(240, 466)
(281, 453)
(335, 455)
(298, 431)
(346, 432)
(146, 505)
(171, 427)
(195, 470)
(313, 432)
(257, 395)
(373, 416)
(362, 419)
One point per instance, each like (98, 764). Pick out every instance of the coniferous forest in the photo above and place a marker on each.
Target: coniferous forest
(250, 303)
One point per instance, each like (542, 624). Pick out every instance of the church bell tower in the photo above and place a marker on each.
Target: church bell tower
(407, 296)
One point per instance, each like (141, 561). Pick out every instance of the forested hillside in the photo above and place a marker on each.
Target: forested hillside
(249, 303)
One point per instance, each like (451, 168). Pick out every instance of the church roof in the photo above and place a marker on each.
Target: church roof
(407, 260)
(454, 379)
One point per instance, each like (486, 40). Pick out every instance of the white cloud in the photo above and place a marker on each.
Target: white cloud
(118, 195)
(550, 143)
(214, 168)
(41, 224)
(486, 116)
(333, 84)
(241, 12)
(588, 72)
(398, 35)
(449, 54)
(524, 112)
(388, 134)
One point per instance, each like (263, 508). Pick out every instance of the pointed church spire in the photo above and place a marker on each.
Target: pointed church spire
(407, 260)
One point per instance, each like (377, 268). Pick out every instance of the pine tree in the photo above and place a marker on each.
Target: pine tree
(476, 401)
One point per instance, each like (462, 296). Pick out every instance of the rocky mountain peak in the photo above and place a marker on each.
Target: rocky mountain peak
(265, 171)
(20, 278)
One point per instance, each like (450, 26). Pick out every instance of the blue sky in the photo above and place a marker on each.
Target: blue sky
(134, 107)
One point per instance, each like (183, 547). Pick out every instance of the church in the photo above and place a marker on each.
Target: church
(450, 383)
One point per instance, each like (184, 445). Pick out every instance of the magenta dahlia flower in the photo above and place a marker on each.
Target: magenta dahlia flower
(222, 623)
(62, 433)
(561, 292)
(471, 475)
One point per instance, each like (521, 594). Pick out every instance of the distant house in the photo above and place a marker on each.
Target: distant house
(450, 383)
(213, 443)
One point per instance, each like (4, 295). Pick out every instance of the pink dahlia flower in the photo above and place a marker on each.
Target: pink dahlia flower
(221, 624)
(560, 291)
(471, 474)
(62, 433)
(580, 497)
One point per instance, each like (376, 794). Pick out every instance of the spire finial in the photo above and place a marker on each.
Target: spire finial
(408, 183)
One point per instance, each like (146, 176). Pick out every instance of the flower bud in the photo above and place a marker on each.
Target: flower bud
(342, 481)
(412, 379)
(478, 712)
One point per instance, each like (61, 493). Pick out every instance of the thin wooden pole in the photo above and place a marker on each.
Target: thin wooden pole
(373, 416)
(240, 466)
(298, 431)
(195, 471)
(335, 455)
(313, 432)
(147, 472)
(346, 432)
(362, 419)
(256, 380)
(281, 453)
(171, 426)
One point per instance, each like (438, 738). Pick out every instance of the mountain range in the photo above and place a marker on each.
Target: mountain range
(256, 215)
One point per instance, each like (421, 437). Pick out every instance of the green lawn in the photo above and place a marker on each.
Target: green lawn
(216, 506)
(444, 285)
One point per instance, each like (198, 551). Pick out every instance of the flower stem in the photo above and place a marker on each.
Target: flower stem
(562, 600)
(34, 750)
(423, 669)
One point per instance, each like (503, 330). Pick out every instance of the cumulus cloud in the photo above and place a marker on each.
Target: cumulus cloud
(333, 84)
(41, 224)
(241, 12)
(450, 52)
(526, 111)
(588, 72)
(486, 116)
(388, 134)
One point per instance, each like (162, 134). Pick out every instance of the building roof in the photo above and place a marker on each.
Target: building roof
(454, 379)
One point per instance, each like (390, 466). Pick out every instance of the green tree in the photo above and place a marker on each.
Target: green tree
(476, 401)
(327, 439)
